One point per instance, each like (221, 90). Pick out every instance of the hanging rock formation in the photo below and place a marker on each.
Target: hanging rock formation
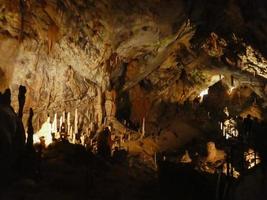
(100, 55)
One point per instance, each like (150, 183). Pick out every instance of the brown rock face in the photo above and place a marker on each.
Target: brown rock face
(86, 54)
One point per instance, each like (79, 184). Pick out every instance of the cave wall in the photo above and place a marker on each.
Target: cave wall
(69, 53)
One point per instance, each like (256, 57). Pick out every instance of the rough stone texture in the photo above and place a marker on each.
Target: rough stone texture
(67, 53)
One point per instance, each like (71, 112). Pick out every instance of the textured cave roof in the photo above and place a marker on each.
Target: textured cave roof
(162, 42)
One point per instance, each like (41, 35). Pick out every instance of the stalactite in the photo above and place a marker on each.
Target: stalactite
(52, 35)
(22, 10)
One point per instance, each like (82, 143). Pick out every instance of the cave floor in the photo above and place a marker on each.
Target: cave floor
(68, 173)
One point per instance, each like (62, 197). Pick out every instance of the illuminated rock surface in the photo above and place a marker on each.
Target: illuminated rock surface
(62, 51)
(143, 65)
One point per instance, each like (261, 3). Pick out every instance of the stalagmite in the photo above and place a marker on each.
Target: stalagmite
(76, 121)
(60, 122)
(45, 132)
(72, 135)
(54, 124)
(214, 154)
(68, 123)
(56, 128)
(105, 121)
(186, 158)
(21, 99)
(30, 130)
(143, 127)
(154, 74)
(98, 107)
(110, 104)
(91, 125)
(63, 117)
(224, 132)
(82, 139)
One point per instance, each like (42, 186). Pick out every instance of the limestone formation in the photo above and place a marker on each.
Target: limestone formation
(70, 54)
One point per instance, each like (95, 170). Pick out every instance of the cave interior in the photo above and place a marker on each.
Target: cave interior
(129, 100)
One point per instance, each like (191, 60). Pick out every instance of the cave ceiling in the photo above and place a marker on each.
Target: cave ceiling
(62, 50)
